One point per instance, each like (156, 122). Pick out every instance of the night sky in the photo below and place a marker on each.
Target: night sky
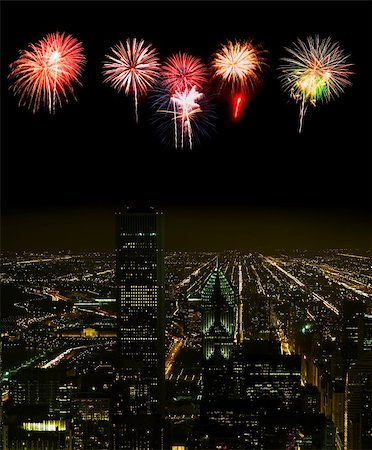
(255, 184)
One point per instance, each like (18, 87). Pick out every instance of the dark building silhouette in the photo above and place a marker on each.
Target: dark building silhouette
(365, 340)
(138, 395)
(38, 387)
(310, 399)
(357, 395)
(352, 328)
(31, 427)
(264, 409)
(366, 416)
(91, 421)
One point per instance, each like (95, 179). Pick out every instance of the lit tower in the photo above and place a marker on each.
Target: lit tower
(218, 313)
(139, 399)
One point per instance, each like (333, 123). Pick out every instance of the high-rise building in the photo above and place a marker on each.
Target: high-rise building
(357, 389)
(218, 308)
(264, 374)
(139, 401)
(38, 387)
(310, 399)
(366, 416)
(91, 421)
(352, 315)
(366, 333)
(218, 312)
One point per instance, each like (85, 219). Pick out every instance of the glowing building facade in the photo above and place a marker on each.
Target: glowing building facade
(218, 312)
(218, 308)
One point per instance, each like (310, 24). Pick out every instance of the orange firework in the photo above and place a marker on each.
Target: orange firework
(238, 66)
(44, 74)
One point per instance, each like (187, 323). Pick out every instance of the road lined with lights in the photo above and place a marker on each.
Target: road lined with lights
(261, 288)
(303, 286)
(39, 260)
(59, 358)
(172, 355)
(342, 279)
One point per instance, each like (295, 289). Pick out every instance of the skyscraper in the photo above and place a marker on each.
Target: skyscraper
(357, 387)
(218, 308)
(218, 311)
(139, 400)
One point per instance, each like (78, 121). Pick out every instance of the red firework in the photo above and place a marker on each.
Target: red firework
(182, 72)
(45, 74)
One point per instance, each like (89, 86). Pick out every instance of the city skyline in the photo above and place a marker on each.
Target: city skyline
(165, 292)
(261, 351)
(81, 160)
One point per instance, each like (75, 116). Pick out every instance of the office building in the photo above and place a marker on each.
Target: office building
(138, 405)
(357, 394)
(218, 307)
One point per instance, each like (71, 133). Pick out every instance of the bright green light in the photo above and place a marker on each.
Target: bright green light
(313, 85)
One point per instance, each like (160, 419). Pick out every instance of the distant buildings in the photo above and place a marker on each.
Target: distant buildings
(91, 425)
(37, 406)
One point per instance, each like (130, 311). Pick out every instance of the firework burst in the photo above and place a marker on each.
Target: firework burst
(133, 68)
(44, 74)
(238, 66)
(185, 115)
(182, 72)
(315, 70)
(186, 107)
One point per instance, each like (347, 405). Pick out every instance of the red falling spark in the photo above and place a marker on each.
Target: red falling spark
(238, 102)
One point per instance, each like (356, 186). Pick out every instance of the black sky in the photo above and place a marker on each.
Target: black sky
(92, 156)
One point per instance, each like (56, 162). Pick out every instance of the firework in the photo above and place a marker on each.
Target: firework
(133, 68)
(238, 68)
(45, 73)
(182, 72)
(315, 70)
(186, 107)
(185, 115)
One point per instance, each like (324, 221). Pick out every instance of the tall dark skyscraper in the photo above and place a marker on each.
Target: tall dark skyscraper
(139, 400)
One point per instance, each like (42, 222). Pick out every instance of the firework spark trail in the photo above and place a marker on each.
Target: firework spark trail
(45, 73)
(132, 67)
(237, 107)
(185, 103)
(315, 70)
(183, 71)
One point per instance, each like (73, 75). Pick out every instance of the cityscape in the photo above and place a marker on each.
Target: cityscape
(185, 350)
(186, 245)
